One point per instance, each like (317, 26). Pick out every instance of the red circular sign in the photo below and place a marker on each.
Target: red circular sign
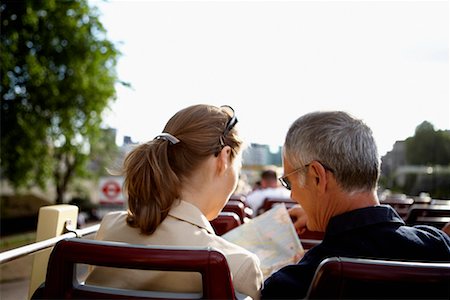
(111, 189)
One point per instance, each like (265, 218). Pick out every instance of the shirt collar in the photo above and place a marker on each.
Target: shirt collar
(363, 217)
(190, 213)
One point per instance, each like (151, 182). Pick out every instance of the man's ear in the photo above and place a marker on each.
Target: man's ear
(320, 176)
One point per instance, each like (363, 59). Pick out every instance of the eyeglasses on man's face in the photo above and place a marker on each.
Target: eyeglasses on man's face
(287, 184)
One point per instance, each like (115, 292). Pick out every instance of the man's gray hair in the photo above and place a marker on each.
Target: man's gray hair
(339, 141)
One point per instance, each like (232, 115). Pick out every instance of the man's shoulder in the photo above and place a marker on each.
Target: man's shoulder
(425, 233)
(291, 281)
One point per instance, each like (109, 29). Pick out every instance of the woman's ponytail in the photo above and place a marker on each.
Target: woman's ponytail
(151, 185)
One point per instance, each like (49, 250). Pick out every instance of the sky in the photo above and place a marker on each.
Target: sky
(384, 62)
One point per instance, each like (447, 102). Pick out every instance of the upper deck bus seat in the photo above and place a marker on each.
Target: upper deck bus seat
(241, 198)
(61, 281)
(428, 214)
(270, 202)
(225, 221)
(237, 207)
(354, 278)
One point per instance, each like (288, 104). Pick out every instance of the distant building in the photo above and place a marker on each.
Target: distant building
(260, 155)
(127, 140)
(127, 145)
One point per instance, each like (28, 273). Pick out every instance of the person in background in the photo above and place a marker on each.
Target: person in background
(256, 185)
(269, 188)
(176, 183)
(331, 167)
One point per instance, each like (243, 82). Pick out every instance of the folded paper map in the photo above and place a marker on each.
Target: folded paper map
(271, 236)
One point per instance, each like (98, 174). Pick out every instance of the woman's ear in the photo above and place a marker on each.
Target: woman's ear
(223, 159)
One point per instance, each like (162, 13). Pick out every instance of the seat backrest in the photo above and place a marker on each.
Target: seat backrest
(428, 214)
(238, 197)
(60, 282)
(440, 202)
(225, 221)
(310, 239)
(237, 207)
(270, 202)
(243, 199)
(350, 278)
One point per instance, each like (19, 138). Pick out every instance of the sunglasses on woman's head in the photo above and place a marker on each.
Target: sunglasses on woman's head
(231, 121)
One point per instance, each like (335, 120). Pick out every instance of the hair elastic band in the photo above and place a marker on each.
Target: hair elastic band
(167, 137)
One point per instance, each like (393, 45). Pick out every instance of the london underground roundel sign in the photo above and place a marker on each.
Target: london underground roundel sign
(111, 190)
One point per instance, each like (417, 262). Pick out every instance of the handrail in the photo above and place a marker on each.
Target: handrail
(311, 241)
(32, 248)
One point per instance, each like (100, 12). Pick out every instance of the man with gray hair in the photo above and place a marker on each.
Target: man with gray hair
(331, 167)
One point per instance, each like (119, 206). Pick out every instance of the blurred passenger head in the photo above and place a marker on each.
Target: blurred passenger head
(341, 143)
(156, 171)
(269, 179)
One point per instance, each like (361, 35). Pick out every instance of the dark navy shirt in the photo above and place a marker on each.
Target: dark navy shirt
(372, 232)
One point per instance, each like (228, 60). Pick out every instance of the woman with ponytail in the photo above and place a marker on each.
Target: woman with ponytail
(177, 183)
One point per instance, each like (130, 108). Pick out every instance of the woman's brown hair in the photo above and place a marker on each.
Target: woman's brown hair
(155, 171)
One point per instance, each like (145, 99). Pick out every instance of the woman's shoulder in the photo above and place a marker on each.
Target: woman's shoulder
(115, 216)
(112, 223)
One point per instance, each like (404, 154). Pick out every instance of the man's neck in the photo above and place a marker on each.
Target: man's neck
(354, 200)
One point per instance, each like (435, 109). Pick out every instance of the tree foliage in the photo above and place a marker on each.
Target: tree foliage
(428, 146)
(57, 76)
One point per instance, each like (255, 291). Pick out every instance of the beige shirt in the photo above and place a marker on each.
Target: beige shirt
(184, 226)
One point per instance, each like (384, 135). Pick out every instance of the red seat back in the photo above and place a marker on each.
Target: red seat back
(61, 284)
(428, 214)
(225, 221)
(238, 197)
(241, 198)
(269, 202)
(353, 278)
(236, 207)
(310, 239)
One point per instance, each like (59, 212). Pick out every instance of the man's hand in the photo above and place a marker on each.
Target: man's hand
(299, 218)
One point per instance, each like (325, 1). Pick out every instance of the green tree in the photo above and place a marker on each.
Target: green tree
(428, 146)
(57, 77)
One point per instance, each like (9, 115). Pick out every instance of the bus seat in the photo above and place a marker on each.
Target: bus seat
(354, 278)
(225, 221)
(61, 281)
